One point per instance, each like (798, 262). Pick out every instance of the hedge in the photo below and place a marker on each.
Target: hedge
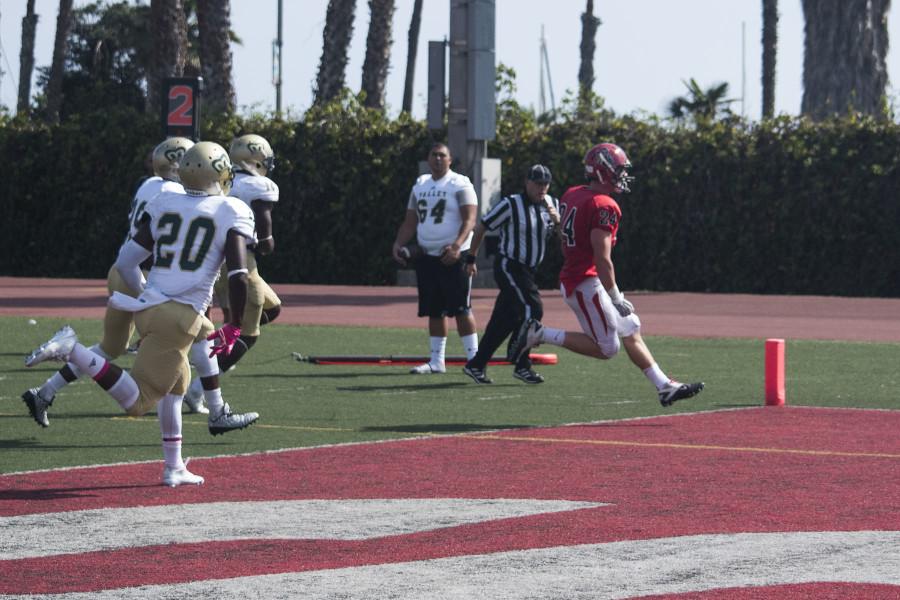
(783, 206)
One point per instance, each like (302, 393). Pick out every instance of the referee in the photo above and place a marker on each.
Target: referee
(525, 222)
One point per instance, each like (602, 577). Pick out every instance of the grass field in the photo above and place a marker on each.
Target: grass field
(304, 405)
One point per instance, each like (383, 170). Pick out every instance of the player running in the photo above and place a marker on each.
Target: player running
(590, 220)
(189, 236)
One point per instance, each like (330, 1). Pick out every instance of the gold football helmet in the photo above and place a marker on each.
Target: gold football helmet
(206, 168)
(252, 153)
(167, 155)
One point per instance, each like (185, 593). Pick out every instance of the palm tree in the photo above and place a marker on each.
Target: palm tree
(378, 52)
(589, 25)
(412, 48)
(169, 46)
(844, 57)
(770, 46)
(335, 43)
(26, 58)
(214, 24)
(55, 80)
(700, 104)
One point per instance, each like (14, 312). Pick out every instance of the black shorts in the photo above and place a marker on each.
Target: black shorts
(443, 291)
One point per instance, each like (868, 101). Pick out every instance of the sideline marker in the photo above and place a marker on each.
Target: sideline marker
(775, 372)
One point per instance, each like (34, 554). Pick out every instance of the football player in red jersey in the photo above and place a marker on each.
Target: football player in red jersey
(590, 220)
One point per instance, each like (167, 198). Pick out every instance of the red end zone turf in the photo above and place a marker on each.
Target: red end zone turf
(773, 502)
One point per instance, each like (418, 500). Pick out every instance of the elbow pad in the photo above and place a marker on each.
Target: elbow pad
(128, 264)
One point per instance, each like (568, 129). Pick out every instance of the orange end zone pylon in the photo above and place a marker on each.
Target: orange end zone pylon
(775, 372)
(538, 359)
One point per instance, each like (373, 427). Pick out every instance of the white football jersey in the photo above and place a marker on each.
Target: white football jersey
(248, 187)
(189, 234)
(147, 190)
(437, 203)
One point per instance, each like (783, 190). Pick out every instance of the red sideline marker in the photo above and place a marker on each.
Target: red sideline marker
(774, 372)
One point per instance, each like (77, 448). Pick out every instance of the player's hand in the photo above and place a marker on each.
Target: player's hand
(223, 339)
(471, 269)
(450, 254)
(624, 307)
(400, 254)
(551, 210)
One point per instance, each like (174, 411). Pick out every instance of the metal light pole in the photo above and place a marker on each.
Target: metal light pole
(276, 62)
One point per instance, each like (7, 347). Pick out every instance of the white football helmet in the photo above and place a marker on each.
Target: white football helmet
(206, 168)
(167, 155)
(252, 153)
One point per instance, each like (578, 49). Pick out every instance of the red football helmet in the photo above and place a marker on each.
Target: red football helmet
(608, 164)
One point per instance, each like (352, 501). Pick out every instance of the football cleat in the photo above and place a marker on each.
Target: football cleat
(528, 376)
(174, 477)
(428, 368)
(59, 347)
(528, 336)
(674, 391)
(194, 402)
(37, 406)
(477, 375)
(227, 421)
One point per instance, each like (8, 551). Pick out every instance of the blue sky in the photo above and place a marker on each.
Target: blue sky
(645, 48)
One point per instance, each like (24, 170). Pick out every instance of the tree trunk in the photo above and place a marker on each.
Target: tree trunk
(378, 52)
(169, 46)
(54, 83)
(589, 25)
(844, 57)
(214, 24)
(412, 49)
(335, 43)
(26, 58)
(770, 48)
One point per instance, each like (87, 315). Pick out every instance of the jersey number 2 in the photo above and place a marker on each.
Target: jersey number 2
(172, 223)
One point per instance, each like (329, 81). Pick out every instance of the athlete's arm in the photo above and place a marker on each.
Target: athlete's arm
(236, 263)
(132, 254)
(262, 213)
(601, 243)
(404, 234)
(467, 213)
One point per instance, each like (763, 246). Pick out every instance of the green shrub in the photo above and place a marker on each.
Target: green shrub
(782, 206)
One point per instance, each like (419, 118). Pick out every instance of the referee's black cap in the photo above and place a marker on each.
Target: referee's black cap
(540, 174)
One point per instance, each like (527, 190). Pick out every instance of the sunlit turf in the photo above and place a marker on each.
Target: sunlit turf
(302, 404)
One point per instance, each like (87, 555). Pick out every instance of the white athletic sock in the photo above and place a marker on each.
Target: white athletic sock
(169, 412)
(438, 347)
(214, 401)
(554, 337)
(53, 385)
(125, 391)
(470, 345)
(96, 349)
(656, 376)
(88, 361)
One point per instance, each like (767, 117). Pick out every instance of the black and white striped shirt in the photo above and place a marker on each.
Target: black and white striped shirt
(524, 228)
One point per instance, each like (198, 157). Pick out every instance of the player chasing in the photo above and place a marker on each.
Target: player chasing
(253, 161)
(590, 220)
(189, 236)
(118, 326)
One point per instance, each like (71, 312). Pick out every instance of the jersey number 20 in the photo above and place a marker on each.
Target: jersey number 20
(171, 223)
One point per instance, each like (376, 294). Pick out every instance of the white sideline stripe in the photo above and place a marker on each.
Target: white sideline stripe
(30, 536)
(615, 570)
(404, 439)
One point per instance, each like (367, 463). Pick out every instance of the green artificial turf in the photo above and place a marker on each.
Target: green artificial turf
(302, 404)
